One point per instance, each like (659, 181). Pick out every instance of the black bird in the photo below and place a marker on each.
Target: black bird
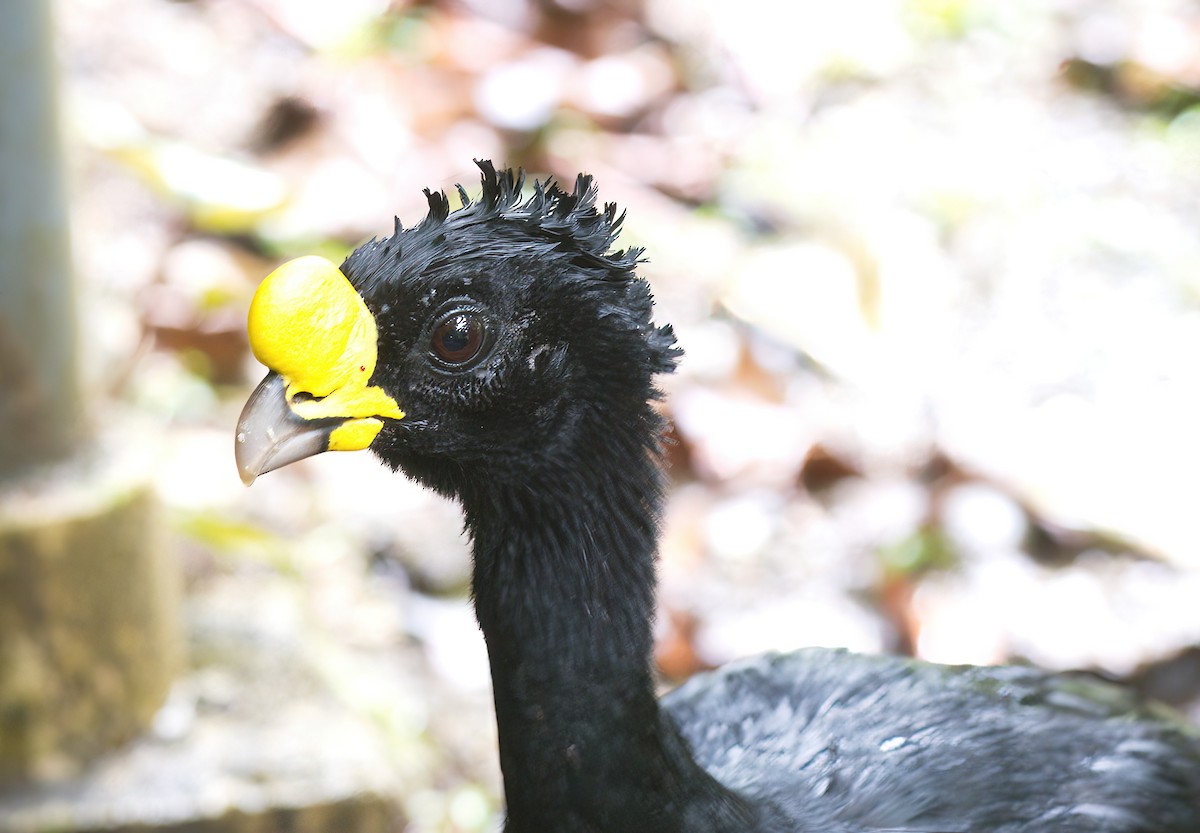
(504, 356)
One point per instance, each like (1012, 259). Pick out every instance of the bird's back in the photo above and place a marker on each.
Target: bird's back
(841, 742)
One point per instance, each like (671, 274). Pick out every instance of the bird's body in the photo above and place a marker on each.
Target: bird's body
(508, 362)
(844, 743)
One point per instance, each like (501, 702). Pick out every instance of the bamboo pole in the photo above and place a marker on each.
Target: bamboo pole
(41, 414)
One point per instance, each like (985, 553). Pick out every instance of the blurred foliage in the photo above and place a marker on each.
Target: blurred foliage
(925, 549)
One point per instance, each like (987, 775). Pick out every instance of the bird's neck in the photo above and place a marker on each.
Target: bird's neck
(564, 592)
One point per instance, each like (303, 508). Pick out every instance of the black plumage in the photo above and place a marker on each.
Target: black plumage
(547, 434)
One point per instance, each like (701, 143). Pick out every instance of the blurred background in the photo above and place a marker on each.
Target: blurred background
(935, 264)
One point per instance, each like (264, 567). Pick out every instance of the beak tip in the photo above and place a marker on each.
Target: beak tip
(246, 472)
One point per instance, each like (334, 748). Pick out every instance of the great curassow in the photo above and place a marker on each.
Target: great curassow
(504, 356)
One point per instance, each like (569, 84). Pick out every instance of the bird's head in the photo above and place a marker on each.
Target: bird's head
(486, 342)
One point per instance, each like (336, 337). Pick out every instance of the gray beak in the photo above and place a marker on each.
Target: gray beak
(270, 435)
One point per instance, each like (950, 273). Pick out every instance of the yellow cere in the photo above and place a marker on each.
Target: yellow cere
(309, 325)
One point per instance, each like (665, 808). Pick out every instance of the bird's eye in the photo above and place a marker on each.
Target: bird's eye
(459, 339)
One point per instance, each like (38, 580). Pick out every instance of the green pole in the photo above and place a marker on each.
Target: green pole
(41, 415)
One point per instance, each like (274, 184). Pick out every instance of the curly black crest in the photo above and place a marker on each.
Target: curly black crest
(550, 222)
(550, 225)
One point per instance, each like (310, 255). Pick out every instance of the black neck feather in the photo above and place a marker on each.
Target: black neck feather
(564, 592)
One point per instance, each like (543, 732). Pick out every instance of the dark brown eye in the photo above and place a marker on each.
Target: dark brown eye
(458, 339)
